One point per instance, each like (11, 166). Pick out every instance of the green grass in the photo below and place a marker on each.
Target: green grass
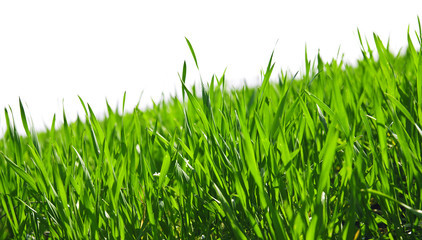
(334, 154)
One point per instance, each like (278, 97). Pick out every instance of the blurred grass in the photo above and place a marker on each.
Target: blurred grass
(334, 154)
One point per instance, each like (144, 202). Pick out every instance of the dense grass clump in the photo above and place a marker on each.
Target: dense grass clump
(335, 154)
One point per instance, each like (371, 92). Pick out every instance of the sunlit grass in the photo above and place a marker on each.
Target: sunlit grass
(334, 154)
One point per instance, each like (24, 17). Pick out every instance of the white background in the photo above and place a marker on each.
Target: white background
(53, 51)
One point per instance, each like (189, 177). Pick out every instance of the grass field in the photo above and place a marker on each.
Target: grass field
(334, 154)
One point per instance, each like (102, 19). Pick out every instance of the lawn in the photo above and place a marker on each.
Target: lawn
(331, 153)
